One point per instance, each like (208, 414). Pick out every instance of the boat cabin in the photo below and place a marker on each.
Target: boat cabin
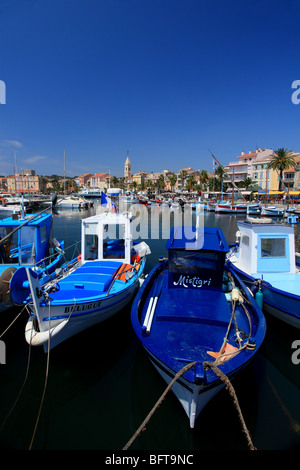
(26, 243)
(196, 258)
(106, 236)
(265, 246)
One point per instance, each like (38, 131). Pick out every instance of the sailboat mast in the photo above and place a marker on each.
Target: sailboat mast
(64, 172)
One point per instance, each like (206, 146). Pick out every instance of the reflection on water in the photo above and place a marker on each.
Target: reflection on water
(101, 385)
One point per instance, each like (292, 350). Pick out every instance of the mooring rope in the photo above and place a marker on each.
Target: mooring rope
(158, 403)
(223, 377)
(22, 387)
(45, 386)
(15, 319)
(229, 387)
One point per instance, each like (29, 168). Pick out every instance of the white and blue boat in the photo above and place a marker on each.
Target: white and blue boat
(26, 241)
(108, 276)
(264, 257)
(271, 211)
(192, 310)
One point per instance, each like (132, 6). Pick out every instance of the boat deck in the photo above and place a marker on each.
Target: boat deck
(190, 322)
(92, 278)
(288, 282)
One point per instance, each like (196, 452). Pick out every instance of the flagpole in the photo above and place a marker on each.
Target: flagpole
(233, 183)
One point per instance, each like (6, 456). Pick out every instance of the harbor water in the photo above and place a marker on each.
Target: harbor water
(97, 387)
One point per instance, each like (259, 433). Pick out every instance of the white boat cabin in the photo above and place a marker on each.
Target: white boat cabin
(106, 236)
(265, 247)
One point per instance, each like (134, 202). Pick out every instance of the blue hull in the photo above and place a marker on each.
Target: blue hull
(187, 325)
(281, 304)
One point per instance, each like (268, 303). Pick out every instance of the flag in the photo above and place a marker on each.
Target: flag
(107, 202)
(215, 164)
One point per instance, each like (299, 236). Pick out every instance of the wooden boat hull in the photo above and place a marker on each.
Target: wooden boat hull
(281, 304)
(231, 209)
(182, 336)
(71, 316)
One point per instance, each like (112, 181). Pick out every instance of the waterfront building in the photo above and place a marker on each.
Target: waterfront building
(291, 176)
(266, 178)
(26, 182)
(84, 179)
(99, 180)
(242, 168)
(139, 178)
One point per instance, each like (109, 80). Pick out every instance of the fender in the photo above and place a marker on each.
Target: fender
(38, 338)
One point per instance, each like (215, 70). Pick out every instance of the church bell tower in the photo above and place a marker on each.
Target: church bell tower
(127, 168)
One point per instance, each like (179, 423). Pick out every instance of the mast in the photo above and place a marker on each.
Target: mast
(64, 172)
(233, 183)
(232, 194)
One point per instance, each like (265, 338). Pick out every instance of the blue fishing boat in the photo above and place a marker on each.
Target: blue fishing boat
(192, 310)
(264, 257)
(103, 283)
(26, 241)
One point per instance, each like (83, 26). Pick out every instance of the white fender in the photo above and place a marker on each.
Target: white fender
(38, 338)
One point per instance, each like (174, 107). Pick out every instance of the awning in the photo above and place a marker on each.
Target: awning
(270, 193)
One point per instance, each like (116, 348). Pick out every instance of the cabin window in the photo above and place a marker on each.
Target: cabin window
(43, 232)
(273, 247)
(114, 241)
(245, 240)
(27, 239)
(91, 246)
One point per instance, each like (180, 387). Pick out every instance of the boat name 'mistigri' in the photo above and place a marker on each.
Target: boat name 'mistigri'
(187, 281)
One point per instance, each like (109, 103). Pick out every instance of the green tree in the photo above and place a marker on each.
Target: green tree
(191, 182)
(183, 176)
(173, 179)
(160, 182)
(282, 160)
(247, 182)
(204, 178)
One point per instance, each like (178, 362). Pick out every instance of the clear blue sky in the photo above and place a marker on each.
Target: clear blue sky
(165, 80)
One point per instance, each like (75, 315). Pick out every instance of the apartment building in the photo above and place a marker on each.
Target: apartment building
(26, 182)
(266, 178)
(241, 169)
(291, 177)
(99, 180)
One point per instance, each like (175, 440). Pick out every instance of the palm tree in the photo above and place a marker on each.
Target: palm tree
(247, 182)
(172, 179)
(160, 182)
(204, 178)
(183, 177)
(190, 182)
(282, 160)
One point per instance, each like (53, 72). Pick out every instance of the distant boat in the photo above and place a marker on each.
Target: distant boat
(230, 208)
(271, 211)
(26, 241)
(264, 257)
(191, 310)
(104, 282)
(72, 202)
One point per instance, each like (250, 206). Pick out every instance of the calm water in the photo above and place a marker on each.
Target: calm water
(101, 385)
